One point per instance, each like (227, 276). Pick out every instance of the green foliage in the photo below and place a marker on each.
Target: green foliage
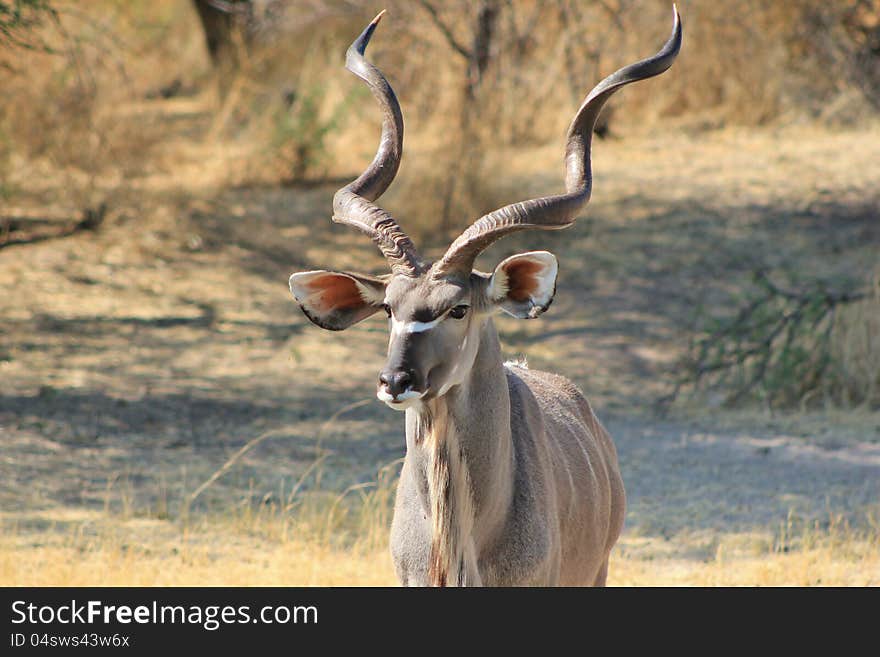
(300, 131)
(19, 20)
(780, 347)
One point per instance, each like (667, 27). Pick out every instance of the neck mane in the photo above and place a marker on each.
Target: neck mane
(464, 439)
(449, 497)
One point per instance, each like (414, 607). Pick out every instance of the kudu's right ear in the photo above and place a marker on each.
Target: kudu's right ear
(336, 300)
(523, 285)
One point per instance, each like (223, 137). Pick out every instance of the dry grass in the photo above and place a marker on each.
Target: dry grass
(272, 549)
(340, 539)
(855, 344)
(829, 553)
(320, 538)
(852, 564)
(219, 558)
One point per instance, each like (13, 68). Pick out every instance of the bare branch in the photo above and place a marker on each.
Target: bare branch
(14, 232)
(445, 29)
(780, 339)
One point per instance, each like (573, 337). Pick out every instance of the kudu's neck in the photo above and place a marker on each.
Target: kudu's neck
(461, 447)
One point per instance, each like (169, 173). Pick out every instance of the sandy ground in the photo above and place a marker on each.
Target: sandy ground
(135, 361)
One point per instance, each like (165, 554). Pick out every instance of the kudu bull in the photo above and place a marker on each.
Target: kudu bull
(509, 477)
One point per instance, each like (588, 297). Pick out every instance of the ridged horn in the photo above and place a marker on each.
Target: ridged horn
(555, 212)
(353, 204)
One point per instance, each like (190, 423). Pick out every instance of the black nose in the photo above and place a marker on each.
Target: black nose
(396, 381)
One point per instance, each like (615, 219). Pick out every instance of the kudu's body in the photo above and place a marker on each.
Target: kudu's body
(509, 477)
(524, 473)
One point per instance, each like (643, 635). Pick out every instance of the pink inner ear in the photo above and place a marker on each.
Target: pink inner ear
(334, 293)
(521, 278)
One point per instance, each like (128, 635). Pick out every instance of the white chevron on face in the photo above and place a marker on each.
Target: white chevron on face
(399, 328)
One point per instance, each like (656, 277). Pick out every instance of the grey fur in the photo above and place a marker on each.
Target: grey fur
(522, 433)
(509, 477)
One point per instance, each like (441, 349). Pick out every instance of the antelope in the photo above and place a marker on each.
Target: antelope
(509, 477)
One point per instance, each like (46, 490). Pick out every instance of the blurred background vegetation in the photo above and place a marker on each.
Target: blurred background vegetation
(491, 73)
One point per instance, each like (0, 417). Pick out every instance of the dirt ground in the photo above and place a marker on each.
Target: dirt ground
(135, 360)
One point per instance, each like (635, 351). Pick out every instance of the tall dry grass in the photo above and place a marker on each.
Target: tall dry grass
(322, 545)
(854, 379)
(306, 535)
(303, 536)
(309, 536)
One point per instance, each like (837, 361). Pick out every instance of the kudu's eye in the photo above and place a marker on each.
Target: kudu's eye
(458, 312)
(387, 309)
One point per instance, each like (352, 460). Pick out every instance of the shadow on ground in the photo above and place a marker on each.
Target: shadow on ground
(133, 365)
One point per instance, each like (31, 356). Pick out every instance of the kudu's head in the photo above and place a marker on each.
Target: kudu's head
(437, 310)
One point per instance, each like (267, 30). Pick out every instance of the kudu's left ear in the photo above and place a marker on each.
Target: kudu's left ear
(523, 285)
(336, 300)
